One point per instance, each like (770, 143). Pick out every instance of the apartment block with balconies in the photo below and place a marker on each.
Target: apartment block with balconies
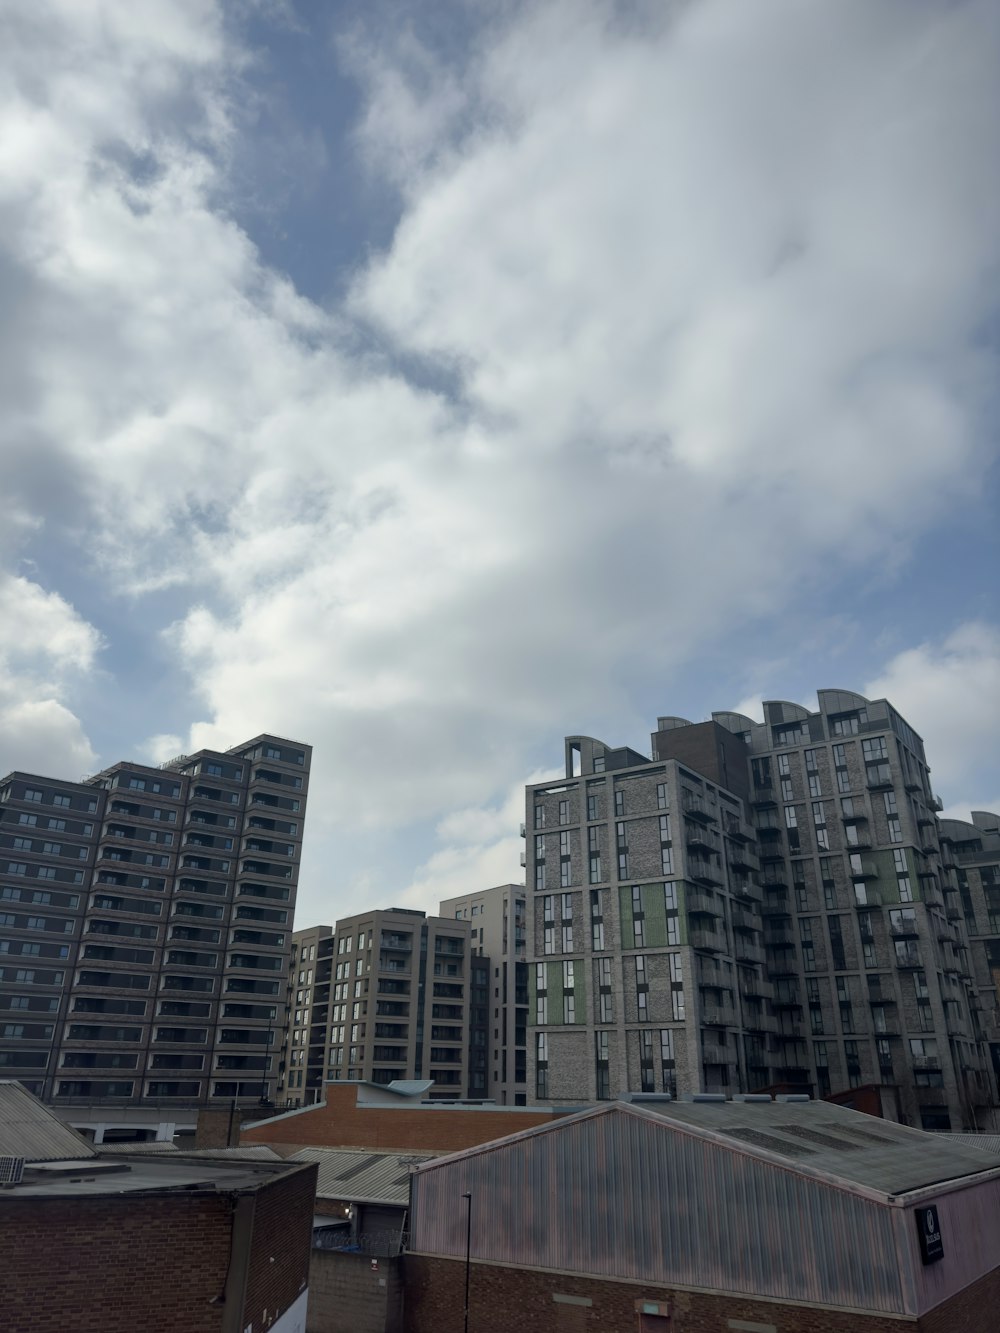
(498, 920)
(758, 905)
(393, 1003)
(171, 892)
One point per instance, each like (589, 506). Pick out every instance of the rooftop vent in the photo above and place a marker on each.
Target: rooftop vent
(703, 1097)
(11, 1171)
(793, 1097)
(752, 1097)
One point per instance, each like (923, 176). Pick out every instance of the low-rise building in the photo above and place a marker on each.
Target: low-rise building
(785, 1216)
(105, 1243)
(402, 1117)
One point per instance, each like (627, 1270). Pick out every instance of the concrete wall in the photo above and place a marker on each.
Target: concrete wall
(352, 1293)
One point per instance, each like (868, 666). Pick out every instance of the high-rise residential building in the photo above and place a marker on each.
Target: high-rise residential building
(971, 879)
(758, 904)
(385, 997)
(498, 918)
(145, 919)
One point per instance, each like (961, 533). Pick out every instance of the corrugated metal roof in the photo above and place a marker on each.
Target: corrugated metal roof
(362, 1177)
(833, 1141)
(984, 1142)
(30, 1130)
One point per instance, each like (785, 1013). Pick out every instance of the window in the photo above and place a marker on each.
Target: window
(667, 1064)
(605, 1007)
(874, 747)
(786, 789)
(541, 1064)
(541, 994)
(569, 997)
(646, 1060)
(638, 918)
(602, 1063)
(889, 800)
(622, 851)
(676, 987)
(895, 830)
(564, 812)
(548, 925)
(591, 807)
(784, 766)
(853, 1063)
(641, 987)
(661, 796)
(619, 802)
(666, 851)
(807, 944)
(539, 818)
(30, 820)
(836, 943)
(565, 863)
(596, 921)
(670, 904)
(594, 854)
(32, 794)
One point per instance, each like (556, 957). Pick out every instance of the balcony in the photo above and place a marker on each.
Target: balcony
(397, 943)
(698, 900)
(742, 856)
(908, 957)
(753, 988)
(701, 936)
(776, 937)
(703, 871)
(743, 919)
(747, 950)
(717, 1016)
(747, 889)
(763, 795)
(903, 926)
(697, 810)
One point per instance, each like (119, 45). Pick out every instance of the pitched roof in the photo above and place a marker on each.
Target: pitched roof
(824, 1139)
(362, 1177)
(30, 1130)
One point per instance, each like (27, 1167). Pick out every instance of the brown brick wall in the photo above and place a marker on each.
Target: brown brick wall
(135, 1262)
(281, 1246)
(974, 1310)
(341, 1123)
(518, 1300)
(348, 1295)
(113, 1265)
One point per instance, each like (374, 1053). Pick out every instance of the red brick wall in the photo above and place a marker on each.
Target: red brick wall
(113, 1265)
(519, 1300)
(281, 1247)
(341, 1123)
(974, 1310)
(138, 1264)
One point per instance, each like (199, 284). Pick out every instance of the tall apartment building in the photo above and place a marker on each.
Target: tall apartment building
(971, 880)
(757, 904)
(498, 918)
(385, 997)
(144, 925)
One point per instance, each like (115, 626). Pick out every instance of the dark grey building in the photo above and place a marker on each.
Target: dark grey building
(757, 904)
(145, 925)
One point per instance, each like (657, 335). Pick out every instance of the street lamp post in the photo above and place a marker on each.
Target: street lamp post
(468, 1253)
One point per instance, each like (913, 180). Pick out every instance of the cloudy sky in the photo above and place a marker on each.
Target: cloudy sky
(428, 382)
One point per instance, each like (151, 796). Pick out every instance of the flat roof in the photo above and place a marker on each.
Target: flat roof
(134, 1174)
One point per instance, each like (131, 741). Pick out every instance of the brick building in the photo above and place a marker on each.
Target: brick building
(658, 1216)
(394, 1118)
(162, 1242)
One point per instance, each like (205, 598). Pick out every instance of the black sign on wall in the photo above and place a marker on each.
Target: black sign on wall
(929, 1231)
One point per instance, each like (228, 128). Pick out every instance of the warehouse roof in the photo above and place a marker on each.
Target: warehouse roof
(833, 1141)
(30, 1130)
(362, 1177)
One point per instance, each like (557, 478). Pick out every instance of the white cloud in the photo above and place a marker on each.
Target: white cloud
(950, 692)
(709, 288)
(42, 736)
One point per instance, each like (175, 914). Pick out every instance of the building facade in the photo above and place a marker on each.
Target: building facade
(385, 998)
(145, 919)
(758, 904)
(970, 855)
(498, 918)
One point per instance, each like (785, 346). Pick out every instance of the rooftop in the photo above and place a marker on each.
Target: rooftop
(362, 1177)
(826, 1140)
(132, 1174)
(31, 1131)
